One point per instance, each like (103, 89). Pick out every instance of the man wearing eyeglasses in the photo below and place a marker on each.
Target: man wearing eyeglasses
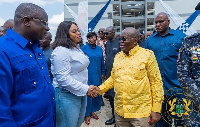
(27, 94)
(112, 48)
(165, 43)
(137, 83)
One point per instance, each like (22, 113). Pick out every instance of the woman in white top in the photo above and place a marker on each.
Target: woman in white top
(69, 68)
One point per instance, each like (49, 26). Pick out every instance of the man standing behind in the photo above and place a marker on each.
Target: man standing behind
(137, 83)
(45, 45)
(8, 24)
(165, 44)
(112, 48)
(149, 33)
(27, 95)
(189, 73)
(101, 41)
(1, 31)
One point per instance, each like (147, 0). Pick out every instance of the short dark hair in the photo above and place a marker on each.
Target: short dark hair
(62, 35)
(27, 9)
(91, 34)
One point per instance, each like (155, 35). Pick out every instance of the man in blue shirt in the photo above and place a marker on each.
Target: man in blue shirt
(165, 43)
(112, 47)
(26, 91)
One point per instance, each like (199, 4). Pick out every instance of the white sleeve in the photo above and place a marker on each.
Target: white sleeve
(61, 68)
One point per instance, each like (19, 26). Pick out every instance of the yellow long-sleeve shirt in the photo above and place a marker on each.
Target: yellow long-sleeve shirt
(137, 83)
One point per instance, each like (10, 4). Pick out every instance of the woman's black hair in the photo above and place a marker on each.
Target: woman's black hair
(91, 34)
(62, 35)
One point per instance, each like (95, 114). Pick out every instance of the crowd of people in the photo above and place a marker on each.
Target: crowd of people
(60, 83)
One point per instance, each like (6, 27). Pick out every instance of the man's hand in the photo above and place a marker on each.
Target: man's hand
(93, 91)
(154, 118)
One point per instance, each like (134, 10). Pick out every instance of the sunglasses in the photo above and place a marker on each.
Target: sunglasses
(100, 31)
(106, 33)
(122, 39)
(125, 39)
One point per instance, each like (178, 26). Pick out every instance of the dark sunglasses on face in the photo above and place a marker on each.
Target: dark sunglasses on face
(125, 39)
(106, 33)
(122, 39)
(100, 31)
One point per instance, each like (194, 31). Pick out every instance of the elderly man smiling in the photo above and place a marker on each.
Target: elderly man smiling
(137, 83)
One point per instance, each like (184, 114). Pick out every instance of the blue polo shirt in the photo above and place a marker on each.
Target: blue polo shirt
(166, 49)
(26, 91)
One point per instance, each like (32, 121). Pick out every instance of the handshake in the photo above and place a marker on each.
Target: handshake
(93, 91)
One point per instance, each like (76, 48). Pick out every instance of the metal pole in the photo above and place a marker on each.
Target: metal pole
(145, 17)
(120, 14)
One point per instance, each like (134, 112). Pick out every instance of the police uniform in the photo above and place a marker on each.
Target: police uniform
(189, 72)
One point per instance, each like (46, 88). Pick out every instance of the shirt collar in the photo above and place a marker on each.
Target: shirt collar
(91, 46)
(17, 37)
(134, 50)
(170, 32)
(20, 39)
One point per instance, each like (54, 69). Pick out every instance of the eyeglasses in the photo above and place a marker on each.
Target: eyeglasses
(125, 39)
(106, 33)
(43, 21)
(100, 31)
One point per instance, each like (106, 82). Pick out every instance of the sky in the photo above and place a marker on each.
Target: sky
(54, 9)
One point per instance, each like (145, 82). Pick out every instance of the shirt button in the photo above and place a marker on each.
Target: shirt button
(49, 82)
(42, 68)
(39, 54)
(34, 83)
(30, 55)
(53, 98)
(31, 43)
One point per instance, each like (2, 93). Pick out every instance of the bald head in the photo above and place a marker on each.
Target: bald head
(131, 32)
(149, 33)
(163, 14)
(8, 24)
(110, 29)
(102, 29)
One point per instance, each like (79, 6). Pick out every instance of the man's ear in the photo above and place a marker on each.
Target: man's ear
(26, 21)
(135, 41)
